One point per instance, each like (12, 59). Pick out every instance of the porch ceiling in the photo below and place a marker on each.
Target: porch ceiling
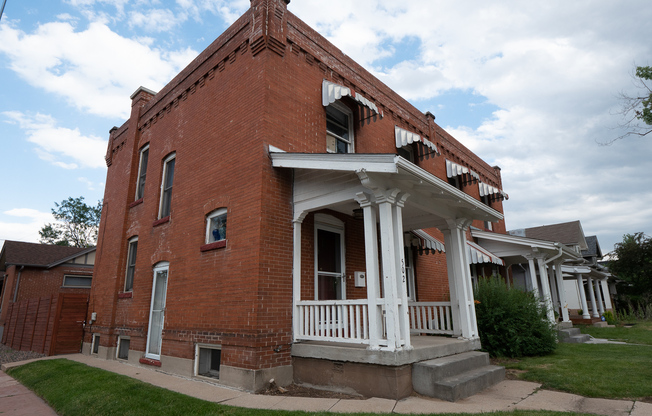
(334, 180)
(513, 249)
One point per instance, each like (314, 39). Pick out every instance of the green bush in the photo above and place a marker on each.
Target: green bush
(511, 322)
(609, 317)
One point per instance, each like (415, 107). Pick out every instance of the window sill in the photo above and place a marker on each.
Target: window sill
(161, 221)
(136, 202)
(213, 246)
(125, 295)
(149, 361)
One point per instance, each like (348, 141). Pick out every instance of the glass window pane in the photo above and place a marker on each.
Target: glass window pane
(77, 281)
(217, 228)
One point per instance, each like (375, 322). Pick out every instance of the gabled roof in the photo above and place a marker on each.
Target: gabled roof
(37, 255)
(569, 233)
(593, 249)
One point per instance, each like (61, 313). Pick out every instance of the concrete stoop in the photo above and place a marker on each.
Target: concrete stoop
(572, 336)
(455, 377)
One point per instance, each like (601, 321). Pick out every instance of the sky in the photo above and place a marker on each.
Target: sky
(532, 87)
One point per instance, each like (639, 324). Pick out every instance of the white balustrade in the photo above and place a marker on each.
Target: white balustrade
(334, 320)
(431, 317)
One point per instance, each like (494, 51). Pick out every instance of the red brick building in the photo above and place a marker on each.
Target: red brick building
(338, 195)
(32, 271)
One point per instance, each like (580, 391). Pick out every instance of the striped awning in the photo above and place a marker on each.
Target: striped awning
(477, 255)
(404, 137)
(331, 92)
(428, 243)
(453, 169)
(488, 190)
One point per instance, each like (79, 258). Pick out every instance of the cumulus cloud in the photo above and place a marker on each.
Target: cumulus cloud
(156, 20)
(63, 147)
(95, 69)
(25, 226)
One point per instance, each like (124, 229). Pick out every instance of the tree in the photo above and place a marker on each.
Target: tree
(77, 224)
(634, 267)
(637, 110)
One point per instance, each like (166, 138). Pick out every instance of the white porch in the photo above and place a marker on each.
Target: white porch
(582, 280)
(395, 196)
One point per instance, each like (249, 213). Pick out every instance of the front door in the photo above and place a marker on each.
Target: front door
(157, 312)
(329, 284)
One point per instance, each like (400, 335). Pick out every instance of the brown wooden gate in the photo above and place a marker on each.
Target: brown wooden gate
(51, 325)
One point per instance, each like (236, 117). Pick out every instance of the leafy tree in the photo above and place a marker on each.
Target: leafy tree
(637, 110)
(77, 224)
(634, 267)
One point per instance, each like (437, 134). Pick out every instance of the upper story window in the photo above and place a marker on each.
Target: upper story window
(166, 186)
(216, 226)
(131, 264)
(77, 281)
(142, 172)
(339, 128)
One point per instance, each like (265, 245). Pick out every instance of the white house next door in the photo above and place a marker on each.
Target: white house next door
(157, 311)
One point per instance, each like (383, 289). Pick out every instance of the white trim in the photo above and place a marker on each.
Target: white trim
(140, 164)
(349, 115)
(165, 168)
(329, 223)
(209, 216)
(198, 346)
(117, 350)
(129, 242)
(159, 267)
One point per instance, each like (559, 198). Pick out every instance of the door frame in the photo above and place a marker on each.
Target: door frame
(329, 223)
(162, 266)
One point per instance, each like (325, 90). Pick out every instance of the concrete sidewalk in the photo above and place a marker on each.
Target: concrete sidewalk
(15, 399)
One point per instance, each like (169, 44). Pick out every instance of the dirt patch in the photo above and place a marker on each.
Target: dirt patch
(8, 355)
(296, 390)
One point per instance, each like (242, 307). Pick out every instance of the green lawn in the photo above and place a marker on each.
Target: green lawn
(72, 388)
(639, 333)
(592, 370)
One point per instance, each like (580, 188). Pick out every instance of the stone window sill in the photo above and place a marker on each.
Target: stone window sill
(213, 246)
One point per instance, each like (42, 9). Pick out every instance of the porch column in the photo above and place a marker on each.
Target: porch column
(596, 282)
(459, 279)
(562, 292)
(547, 299)
(585, 307)
(297, 317)
(606, 294)
(553, 288)
(386, 201)
(401, 275)
(594, 306)
(533, 275)
(375, 314)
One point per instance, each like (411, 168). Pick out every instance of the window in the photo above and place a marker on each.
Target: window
(123, 348)
(455, 182)
(166, 186)
(96, 344)
(330, 258)
(142, 172)
(131, 264)
(77, 281)
(216, 226)
(207, 360)
(339, 128)
(157, 311)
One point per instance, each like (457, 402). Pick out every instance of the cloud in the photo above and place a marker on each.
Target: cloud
(25, 225)
(63, 147)
(156, 20)
(95, 69)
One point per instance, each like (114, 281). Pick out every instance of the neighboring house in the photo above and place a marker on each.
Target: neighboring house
(276, 211)
(32, 271)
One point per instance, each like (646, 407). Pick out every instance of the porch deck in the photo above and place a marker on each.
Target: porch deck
(423, 348)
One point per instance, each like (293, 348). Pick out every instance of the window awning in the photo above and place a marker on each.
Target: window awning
(453, 169)
(477, 254)
(488, 190)
(331, 92)
(428, 243)
(404, 137)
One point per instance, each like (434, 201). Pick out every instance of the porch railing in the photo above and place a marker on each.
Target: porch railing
(431, 317)
(334, 320)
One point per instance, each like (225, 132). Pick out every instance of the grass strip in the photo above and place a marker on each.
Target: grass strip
(639, 333)
(610, 371)
(73, 388)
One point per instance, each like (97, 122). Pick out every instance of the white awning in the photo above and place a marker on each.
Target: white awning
(486, 190)
(477, 254)
(453, 169)
(428, 242)
(404, 137)
(331, 92)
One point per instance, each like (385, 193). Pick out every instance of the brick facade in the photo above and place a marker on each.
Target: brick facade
(249, 90)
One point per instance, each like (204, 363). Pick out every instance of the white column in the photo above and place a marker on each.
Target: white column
(553, 288)
(594, 306)
(459, 279)
(388, 249)
(375, 314)
(533, 276)
(545, 289)
(585, 307)
(606, 293)
(562, 292)
(596, 283)
(297, 318)
(401, 275)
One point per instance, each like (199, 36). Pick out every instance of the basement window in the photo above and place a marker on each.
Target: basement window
(123, 348)
(207, 360)
(95, 349)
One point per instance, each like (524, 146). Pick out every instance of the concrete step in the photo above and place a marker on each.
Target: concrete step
(601, 324)
(455, 377)
(572, 336)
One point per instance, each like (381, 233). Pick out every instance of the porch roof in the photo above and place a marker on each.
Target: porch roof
(585, 270)
(335, 181)
(513, 249)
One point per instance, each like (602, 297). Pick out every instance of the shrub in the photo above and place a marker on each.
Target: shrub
(609, 317)
(511, 322)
